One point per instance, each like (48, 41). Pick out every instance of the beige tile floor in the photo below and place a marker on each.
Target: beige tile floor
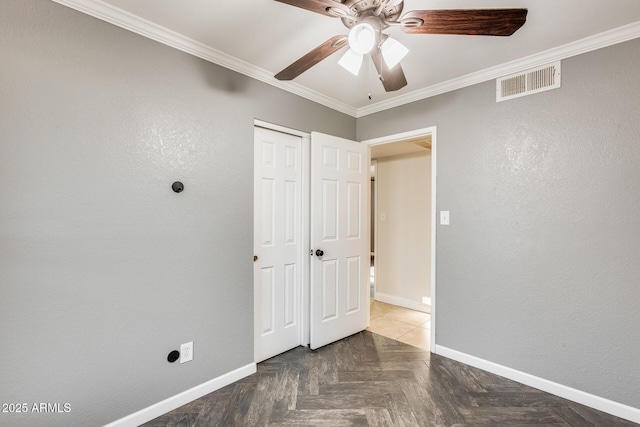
(401, 324)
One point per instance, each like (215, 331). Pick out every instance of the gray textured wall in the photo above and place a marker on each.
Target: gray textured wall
(540, 268)
(103, 269)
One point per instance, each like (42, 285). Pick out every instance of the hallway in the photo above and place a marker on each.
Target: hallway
(401, 324)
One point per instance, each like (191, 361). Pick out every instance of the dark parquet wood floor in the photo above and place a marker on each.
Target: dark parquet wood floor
(370, 380)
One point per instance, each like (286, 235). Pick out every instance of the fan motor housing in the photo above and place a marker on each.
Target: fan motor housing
(362, 8)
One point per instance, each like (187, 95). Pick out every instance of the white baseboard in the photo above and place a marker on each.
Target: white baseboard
(171, 403)
(596, 402)
(402, 302)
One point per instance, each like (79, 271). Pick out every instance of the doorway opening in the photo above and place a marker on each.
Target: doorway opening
(403, 237)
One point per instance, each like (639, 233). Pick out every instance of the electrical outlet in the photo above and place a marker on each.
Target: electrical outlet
(186, 352)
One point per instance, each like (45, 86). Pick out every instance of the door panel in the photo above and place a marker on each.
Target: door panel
(329, 295)
(267, 292)
(354, 210)
(329, 210)
(267, 213)
(290, 296)
(277, 242)
(353, 284)
(291, 201)
(339, 227)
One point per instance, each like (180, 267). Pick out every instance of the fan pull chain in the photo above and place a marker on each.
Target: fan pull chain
(380, 76)
(369, 79)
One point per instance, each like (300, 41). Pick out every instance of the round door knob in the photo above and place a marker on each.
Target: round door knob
(255, 258)
(319, 252)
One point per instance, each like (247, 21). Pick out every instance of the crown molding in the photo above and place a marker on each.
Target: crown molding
(131, 22)
(587, 44)
(121, 18)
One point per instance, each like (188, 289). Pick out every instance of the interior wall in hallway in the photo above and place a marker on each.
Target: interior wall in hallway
(403, 217)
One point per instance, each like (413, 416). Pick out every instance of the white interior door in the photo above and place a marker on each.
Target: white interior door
(340, 192)
(278, 252)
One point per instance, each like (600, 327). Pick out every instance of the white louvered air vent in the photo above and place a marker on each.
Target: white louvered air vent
(528, 82)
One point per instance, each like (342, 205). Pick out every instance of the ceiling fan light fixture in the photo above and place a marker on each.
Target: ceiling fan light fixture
(362, 38)
(393, 51)
(351, 61)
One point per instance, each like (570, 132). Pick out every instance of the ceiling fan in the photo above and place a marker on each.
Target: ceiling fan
(367, 19)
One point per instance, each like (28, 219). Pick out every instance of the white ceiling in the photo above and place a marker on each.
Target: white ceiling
(261, 37)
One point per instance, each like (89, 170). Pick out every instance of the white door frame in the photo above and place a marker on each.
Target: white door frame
(373, 215)
(413, 134)
(304, 290)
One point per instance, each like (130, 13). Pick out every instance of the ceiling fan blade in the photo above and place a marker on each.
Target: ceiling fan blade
(392, 79)
(479, 22)
(318, 6)
(312, 58)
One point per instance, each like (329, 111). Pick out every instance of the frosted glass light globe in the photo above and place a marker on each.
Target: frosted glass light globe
(362, 38)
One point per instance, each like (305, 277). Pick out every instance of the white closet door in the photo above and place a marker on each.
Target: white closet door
(277, 242)
(340, 191)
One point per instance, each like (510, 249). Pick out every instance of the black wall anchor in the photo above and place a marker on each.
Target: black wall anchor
(177, 186)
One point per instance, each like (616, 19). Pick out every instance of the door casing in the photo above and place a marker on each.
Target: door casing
(404, 136)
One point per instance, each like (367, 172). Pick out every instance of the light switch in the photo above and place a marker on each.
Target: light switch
(444, 217)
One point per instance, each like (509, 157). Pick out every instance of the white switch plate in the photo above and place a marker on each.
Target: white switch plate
(186, 352)
(444, 217)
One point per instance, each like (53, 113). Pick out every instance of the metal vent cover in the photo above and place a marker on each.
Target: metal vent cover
(528, 82)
